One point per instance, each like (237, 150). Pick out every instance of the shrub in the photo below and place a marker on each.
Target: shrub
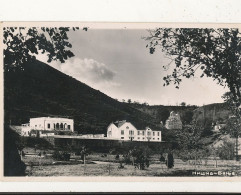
(162, 158)
(57, 155)
(226, 151)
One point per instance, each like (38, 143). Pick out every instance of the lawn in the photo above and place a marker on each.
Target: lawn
(100, 165)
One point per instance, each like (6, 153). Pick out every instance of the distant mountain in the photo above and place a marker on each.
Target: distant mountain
(40, 90)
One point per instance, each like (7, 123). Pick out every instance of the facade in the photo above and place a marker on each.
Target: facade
(174, 121)
(52, 124)
(25, 131)
(46, 126)
(122, 130)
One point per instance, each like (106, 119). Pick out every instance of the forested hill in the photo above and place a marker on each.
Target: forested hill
(41, 90)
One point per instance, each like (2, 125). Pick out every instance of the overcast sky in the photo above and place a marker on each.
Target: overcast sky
(118, 63)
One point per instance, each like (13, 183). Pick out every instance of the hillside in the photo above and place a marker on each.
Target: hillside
(41, 90)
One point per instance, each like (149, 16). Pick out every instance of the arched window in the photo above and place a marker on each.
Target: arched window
(57, 126)
(54, 126)
(65, 126)
(61, 126)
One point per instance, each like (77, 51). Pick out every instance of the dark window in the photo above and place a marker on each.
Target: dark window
(48, 126)
(69, 127)
(158, 133)
(122, 137)
(153, 133)
(122, 132)
(138, 132)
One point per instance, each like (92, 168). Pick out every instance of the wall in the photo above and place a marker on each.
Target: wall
(105, 145)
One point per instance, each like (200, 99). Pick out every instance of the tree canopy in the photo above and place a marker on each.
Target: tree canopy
(216, 52)
(22, 44)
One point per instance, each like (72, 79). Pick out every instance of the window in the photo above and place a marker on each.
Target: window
(143, 132)
(158, 138)
(158, 133)
(131, 132)
(122, 132)
(138, 138)
(122, 137)
(69, 127)
(153, 133)
(148, 133)
(138, 132)
(153, 138)
(127, 127)
(143, 138)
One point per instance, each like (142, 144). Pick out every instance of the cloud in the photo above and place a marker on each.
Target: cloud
(89, 71)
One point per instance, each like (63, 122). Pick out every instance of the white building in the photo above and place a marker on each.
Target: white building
(25, 131)
(123, 130)
(174, 121)
(47, 125)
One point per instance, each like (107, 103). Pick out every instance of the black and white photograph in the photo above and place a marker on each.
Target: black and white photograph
(98, 100)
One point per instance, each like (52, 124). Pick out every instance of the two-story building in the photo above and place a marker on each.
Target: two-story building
(123, 130)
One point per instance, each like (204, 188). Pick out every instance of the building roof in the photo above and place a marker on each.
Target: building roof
(119, 123)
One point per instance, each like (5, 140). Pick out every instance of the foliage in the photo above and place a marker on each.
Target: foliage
(162, 158)
(13, 166)
(22, 44)
(163, 114)
(183, 104)
(226, 150)
(190, 143)
(140, 156)
(207, 129)
(187, 117)
(61, 155)
(39, 143)
(216, 52)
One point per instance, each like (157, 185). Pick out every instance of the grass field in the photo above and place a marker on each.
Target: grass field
(99, 165)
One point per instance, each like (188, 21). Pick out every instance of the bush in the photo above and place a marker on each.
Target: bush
(226, 151)
(57, 155)
(162, 158)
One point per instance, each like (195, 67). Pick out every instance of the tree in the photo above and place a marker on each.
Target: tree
(140, 157)
(163, 114)
(233, 125)
(190, 144)
(129, 101)
(22, 44)
(226, 150)
(216, 52)
(170, 161)
(187, 117)
(183, 104)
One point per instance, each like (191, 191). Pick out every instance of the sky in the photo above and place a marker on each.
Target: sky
(117, 63)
